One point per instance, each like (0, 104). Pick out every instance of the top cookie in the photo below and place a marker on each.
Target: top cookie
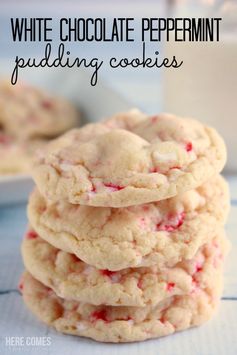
(128, 160)
(27, 112)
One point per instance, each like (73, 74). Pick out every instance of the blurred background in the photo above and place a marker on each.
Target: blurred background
(205, 87)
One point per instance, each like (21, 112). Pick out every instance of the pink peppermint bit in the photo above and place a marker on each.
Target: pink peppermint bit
(188, 146)
(108, 273)
(113, 187)
(139, 283)
(31, 234)
(198, 268)
(155, 170)
(142, 222)
(162, 320)
(99, 315)
(195, 285)
(93, 188)
(20, 286)
(47, 104)
(50, 292)
(170, 286)
(154, 119)
(173, 223)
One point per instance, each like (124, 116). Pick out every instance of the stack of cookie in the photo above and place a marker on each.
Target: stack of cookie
(126, 240)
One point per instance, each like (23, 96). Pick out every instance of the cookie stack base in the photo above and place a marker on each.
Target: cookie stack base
(119, 324)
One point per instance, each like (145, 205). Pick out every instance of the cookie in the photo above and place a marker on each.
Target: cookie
(120, 324)
(72, 279)
(17, 157)
(130, 159)
(161, 233)
(27, 112)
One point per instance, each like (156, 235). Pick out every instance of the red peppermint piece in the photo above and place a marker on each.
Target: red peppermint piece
(188, 146)
(20, 286)
(114, 187)
(31, 234)
(170, 286)
(195, 285)
(173, 223)
(154, 170)
(47, 104)
(142, 222)
(198, 268)
(107, 273)
(99, 315)
(139, 283)
(154, 119)
(162, 320)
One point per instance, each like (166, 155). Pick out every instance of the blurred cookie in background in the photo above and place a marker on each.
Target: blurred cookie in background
(29, 118)
(16, 156)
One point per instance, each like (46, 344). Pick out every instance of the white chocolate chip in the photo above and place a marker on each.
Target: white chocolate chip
(81, 326)
(164, 157)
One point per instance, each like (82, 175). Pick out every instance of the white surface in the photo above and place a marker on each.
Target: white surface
(217, 337)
